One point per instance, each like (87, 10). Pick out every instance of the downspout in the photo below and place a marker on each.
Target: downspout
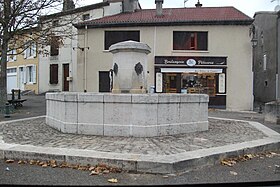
(85, 70)
(277, 59)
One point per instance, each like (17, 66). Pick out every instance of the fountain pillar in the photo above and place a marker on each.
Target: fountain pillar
(130, 67)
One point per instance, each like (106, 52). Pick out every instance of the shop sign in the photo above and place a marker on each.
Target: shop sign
(158, 82)
(222, 83)
(190, 61)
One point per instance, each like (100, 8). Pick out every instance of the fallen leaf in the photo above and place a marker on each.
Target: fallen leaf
(113, 180)
(22, 162)
(91, 168)
(228, 162)
(106, 171)
(32, 162)
(45, 165)
(9, 161)
(94, 173)
(165, 176)
(250, 156)
(233, 173)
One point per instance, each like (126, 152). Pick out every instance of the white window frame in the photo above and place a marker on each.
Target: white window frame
(31, 50)
(30, 72)
(11, 56)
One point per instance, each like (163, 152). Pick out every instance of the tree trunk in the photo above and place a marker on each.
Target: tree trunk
(5, 43)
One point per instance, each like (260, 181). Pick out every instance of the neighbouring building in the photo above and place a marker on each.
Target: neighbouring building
(194, 50)
(22, 65)
(58, 63)
(266, 36)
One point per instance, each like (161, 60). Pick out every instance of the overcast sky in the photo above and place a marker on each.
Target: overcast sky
(249, 7)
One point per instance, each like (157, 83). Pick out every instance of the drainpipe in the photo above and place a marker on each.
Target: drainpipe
(85, 70)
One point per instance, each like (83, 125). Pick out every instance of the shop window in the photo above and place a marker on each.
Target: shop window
(113, 37)
(200, 83)
(184, 40)
(53, 73)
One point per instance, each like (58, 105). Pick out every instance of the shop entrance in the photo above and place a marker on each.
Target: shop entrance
(172, 83)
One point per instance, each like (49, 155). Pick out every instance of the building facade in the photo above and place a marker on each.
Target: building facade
(59, 65)
(265, 32)
(22, 66)
(194, 50)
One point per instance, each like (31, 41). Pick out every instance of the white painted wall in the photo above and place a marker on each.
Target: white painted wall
(68, 52)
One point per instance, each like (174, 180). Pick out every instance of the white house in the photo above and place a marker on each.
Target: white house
(195, 50)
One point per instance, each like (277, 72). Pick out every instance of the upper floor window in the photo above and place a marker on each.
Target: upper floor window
(12, 55)
(54, 45)
(190, 40)
(30, 50)
(113, 37)
(86, 17)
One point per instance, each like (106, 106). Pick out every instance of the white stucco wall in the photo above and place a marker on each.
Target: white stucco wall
(230, 41)
(68, 52)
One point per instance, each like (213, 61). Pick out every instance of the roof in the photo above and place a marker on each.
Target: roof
(76, 10)
(172, 16)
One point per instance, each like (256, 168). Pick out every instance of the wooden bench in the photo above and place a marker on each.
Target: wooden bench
(16, 102)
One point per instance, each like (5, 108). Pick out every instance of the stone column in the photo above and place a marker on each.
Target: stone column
(129, 67)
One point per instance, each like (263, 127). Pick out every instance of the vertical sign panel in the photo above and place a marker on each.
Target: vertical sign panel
(158, 82)
(222, 83)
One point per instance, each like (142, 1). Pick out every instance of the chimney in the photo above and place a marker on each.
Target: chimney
(198, 5)
(130, 5)
(68, 5)
(159, 7)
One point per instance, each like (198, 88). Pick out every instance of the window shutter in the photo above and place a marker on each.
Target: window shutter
(24, 75)
(34, 74)
(34, 50)
(53, 73)
(25, 53)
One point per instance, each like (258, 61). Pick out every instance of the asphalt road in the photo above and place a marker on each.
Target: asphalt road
(259, 171)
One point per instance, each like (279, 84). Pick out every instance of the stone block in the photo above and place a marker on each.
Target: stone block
(117, 113)
(117, 130)
(144, 131)
(90, 112)
(117, 98)
(90, 98)
(144, 98)
(91, 129)
(168, 112)
(70, 128)
(169, 98)
(143, 114)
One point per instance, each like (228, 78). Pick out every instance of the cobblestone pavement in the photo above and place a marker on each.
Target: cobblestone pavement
(221, 132)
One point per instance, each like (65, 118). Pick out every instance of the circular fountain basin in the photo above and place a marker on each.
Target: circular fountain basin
(137, 115)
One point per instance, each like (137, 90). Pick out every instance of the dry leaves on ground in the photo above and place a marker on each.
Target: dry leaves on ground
(98, 169)
(232, 161)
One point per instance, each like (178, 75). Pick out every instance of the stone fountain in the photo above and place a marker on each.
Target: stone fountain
(129, 110)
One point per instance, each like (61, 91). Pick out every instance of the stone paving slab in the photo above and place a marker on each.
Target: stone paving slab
(33, 139)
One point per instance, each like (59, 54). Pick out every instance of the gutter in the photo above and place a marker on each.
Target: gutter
(177, 23)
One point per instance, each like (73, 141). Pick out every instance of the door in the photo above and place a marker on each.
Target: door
(21, 78)
(65, 75)
(104, 81)
(11, 79)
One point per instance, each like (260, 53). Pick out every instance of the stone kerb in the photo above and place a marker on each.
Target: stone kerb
(139, 115)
